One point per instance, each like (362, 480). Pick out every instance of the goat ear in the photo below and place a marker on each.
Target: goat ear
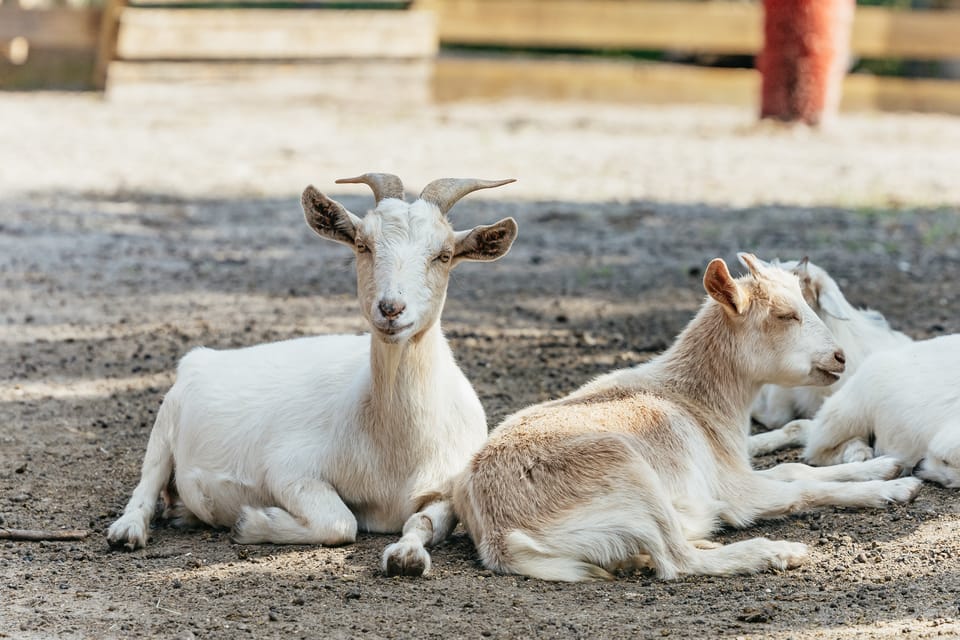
(802, 271)
(328, 218)
(723, 288)
(753, 263)
(831, 302)
(485, 243)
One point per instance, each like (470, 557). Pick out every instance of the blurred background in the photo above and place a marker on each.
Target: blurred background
(194, 96)
(903, 54)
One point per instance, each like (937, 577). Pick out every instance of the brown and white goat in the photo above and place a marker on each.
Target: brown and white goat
(639, 466)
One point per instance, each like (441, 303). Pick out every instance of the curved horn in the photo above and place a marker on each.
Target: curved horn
(384, 185)
(445, 192)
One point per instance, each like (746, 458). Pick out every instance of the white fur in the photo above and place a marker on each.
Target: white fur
(859, 332)
(906, 402)
(307, 441)
(648, 461)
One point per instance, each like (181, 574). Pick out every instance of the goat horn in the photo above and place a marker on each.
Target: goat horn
(445, 192)
(384, 185)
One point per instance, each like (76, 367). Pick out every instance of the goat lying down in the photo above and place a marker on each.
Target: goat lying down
(859, 332)
(306, 441)
(904, 401)
(639, 466)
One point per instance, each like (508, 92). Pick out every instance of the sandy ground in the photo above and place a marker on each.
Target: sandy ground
(131, 232)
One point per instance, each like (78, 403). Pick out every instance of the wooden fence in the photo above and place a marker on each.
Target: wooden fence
(176, 40)
(711, 27)
(321, 44)
(714, 26)
(58, 46)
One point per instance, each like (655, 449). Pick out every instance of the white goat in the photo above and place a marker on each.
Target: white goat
(906, 402)
(859, 332)
(306, 441)
(637, 467)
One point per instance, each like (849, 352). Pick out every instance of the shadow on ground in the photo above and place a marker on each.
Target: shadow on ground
(101, 294)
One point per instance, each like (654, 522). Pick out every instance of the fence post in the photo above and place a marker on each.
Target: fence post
(806, 50)
(107, 41)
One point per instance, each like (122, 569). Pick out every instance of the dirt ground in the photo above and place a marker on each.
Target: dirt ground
(130, 233)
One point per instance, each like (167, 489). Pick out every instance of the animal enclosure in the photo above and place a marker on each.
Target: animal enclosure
(376, 45)
(116, 259)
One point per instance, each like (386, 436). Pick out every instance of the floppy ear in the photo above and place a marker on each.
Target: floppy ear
(328, 217)
(724, 289)
(485, 243)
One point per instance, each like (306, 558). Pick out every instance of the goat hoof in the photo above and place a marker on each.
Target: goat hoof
(120, 544)
(126, 535)
(787, 555)
(905, 490)
(886, 468)
(401, 559)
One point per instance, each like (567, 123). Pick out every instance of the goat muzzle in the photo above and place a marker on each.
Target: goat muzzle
(391, 309)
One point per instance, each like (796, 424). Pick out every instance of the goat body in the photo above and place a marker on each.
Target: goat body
(905, 402)
(253, 428)
(637, 467)
(308, 441)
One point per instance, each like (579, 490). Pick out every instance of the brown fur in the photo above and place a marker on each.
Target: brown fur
(544, 461)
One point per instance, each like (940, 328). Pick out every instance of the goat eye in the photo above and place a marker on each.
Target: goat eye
(443, 256)
(361, 247)
(789, 317)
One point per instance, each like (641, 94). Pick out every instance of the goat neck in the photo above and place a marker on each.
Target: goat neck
(703, 369)
(401, 372)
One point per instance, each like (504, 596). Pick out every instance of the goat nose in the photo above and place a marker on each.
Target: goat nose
(839, 357)
(391, 309)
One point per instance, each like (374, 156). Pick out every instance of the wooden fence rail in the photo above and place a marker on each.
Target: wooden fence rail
(58, 28)
(714, 26)
(184, 38)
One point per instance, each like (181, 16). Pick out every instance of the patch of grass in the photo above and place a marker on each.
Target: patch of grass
(591, 274)
(940, 231)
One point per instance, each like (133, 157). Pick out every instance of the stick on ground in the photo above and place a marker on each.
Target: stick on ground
(36, 534)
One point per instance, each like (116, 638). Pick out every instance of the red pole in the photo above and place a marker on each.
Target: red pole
(806, 49)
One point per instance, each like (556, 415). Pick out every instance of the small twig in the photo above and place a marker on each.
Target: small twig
(165, 609)
(34, 535)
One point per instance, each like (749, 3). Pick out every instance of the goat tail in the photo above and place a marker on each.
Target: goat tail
(158, 460)
(529, 558)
